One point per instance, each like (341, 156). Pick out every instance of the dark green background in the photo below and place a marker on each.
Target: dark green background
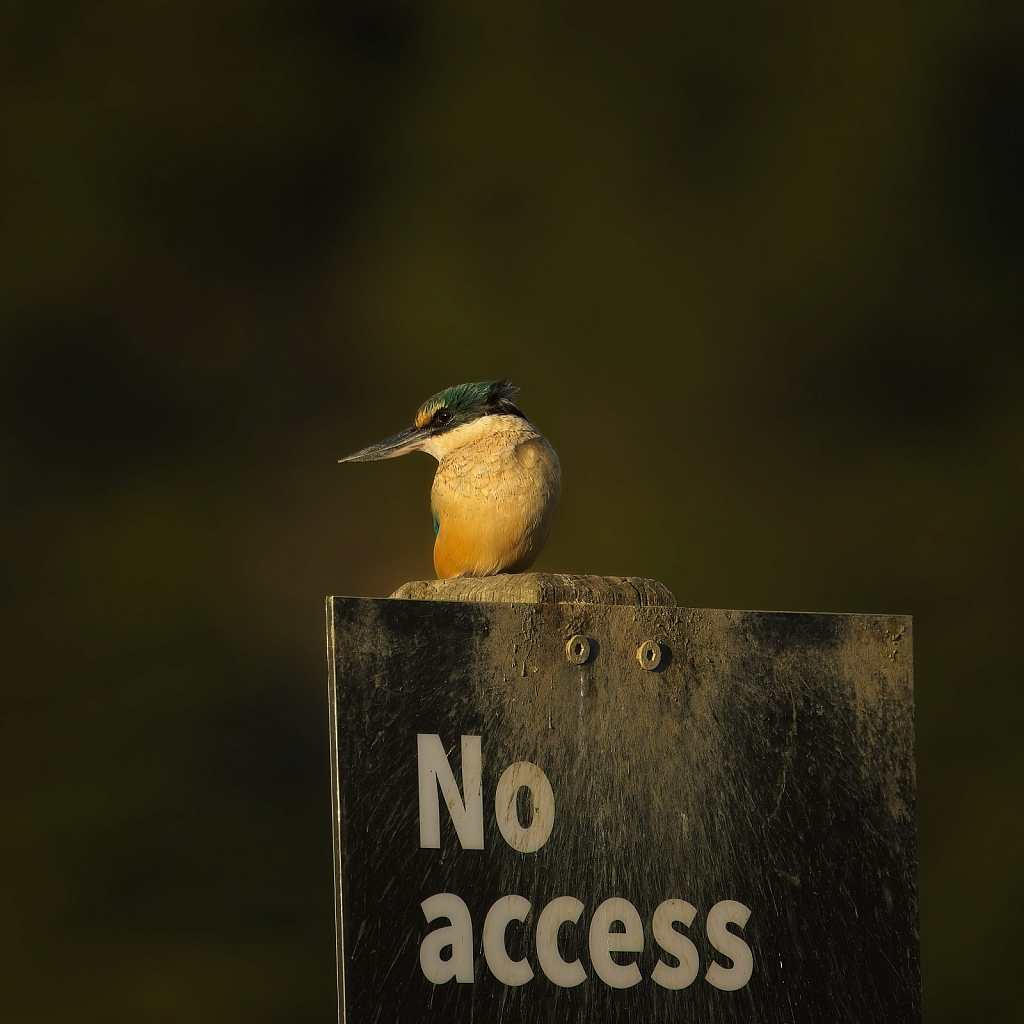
(758, 268)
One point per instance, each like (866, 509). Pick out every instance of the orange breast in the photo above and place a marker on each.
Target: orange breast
(473, 549)
(452, 558)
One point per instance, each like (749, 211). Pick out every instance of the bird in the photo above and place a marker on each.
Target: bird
(497, 483)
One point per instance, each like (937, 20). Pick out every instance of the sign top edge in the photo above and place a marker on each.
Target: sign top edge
(542, 588)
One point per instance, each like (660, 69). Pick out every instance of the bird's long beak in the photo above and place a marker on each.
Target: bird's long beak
(409, 440)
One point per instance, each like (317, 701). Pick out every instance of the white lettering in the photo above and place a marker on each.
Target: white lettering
(603, 942)
(559, 910)
(675, 944)
(434, 771)
(458, 935)
(524, 774)
(728, 979)
(506, 970)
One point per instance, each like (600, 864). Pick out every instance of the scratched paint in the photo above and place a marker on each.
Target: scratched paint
(767, 761)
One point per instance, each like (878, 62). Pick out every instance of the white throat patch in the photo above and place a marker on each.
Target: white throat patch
(476, 430)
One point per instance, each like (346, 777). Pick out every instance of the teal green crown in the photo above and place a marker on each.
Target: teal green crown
(465, 400)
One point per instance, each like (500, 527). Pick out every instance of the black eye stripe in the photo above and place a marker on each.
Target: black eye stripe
(441, 417)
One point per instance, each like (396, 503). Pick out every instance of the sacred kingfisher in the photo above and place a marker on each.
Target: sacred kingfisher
(497, 480)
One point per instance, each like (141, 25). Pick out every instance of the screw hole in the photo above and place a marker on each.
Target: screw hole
(650, 654)
(578, 650)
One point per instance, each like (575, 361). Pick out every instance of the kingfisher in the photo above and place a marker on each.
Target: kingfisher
(497, 480)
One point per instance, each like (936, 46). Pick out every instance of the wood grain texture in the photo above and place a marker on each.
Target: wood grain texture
(542, 588)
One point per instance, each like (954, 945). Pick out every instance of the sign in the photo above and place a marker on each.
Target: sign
(571, 812)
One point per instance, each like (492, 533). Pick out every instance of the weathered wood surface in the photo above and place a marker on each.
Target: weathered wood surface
(767, 760)
(541, 588)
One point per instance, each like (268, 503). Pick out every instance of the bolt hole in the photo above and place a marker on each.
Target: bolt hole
(652, 655)
(580, 649)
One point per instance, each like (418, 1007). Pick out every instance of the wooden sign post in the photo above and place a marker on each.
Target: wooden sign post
(562, 799)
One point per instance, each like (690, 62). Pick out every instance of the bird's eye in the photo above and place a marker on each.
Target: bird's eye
(441, 417)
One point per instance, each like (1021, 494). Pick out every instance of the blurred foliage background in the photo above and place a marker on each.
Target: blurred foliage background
(758, 268)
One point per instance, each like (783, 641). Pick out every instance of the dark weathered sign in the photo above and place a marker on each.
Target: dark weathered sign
(583, 812)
